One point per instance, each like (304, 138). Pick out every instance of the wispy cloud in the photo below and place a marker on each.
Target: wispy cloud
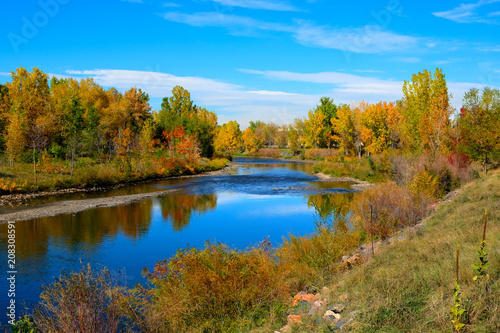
(349, 87)
(366, 39)
(258, 4)
(471, 13)
(136, 1)
(171, 4)
(232, 102)
(5, 74)
(407, 59)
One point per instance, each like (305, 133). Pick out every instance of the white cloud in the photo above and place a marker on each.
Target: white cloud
(171, 4)
(230, 101)
(5, 74)
(365, 39)
(469, 13)
(135, 1)
(258, 4)
(349, 88)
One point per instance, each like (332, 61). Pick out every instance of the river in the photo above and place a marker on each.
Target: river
(259, 199)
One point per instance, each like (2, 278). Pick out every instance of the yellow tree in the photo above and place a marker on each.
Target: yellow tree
(375, 129)
(426, 112)
(228, 137)
(15, 138)
(314, 127)
(250, 141)
(348, 128)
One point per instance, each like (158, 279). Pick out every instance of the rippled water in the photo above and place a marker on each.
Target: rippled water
(260, 198)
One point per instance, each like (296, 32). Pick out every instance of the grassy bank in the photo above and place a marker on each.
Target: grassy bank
(55, 174)
(408, 285)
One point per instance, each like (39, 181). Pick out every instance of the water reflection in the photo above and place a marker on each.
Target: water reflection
(331, 209)
(178, 209)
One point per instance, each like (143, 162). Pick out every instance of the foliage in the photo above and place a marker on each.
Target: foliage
(228, 137)
(85, 301)
(479, 126)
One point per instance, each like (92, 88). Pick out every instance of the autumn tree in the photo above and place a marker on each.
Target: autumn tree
(73, 121)
(228, 137)
(347, 125)
(29, 98)
(314, 127)
(426, 112)
(15, 138)
(479, 125)
(375, 127)
(250, 141)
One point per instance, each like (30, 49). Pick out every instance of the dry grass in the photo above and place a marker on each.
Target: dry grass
(408, 285)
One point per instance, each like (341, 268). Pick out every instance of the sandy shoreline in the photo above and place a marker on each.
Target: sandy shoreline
(359, 184)
(75, 206)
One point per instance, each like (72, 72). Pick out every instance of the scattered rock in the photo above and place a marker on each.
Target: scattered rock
(332, 314)
(344, 258)
(345, 296)
(337, 308)
(303, 296)
(293, 319)
(342, 323)
(317, 304)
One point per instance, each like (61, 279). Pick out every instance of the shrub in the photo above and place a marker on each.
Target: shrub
(317, 153)
(386, 207)
(267, 152)
(85, 301)
(213, 288)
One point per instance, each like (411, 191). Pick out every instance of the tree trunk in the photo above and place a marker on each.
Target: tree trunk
(34, 163)
(72, 158)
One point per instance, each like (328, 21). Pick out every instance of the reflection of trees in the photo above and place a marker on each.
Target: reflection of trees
(178, 208)
(90, 227)
(331, 209)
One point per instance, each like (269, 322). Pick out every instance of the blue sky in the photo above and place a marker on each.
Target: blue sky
(256, 59)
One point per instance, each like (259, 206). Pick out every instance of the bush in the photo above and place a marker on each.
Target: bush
(86, 301)
(216, 289)
(317, 153)
(386, 207)
(266, 152)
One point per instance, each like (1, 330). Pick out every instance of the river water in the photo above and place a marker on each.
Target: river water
(259, 199)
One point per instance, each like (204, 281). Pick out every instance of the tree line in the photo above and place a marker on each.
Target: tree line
(69, 118)
(421, 122)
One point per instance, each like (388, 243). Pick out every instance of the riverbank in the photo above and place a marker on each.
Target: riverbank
(407, 284)
(20, 198)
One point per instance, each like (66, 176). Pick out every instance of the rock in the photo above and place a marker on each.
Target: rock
(302, 304)
(342, 323)
(331, 313)
(345, 296)
(344, 258)
(303, 296)
(319, 320)
(317, 304)
(312, 311)
(330, 319)
(401, 238)
(293, 319)
(337, 308)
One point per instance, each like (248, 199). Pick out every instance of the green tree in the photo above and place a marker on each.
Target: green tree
(74, 126)
(426, 112)
(479, 125)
